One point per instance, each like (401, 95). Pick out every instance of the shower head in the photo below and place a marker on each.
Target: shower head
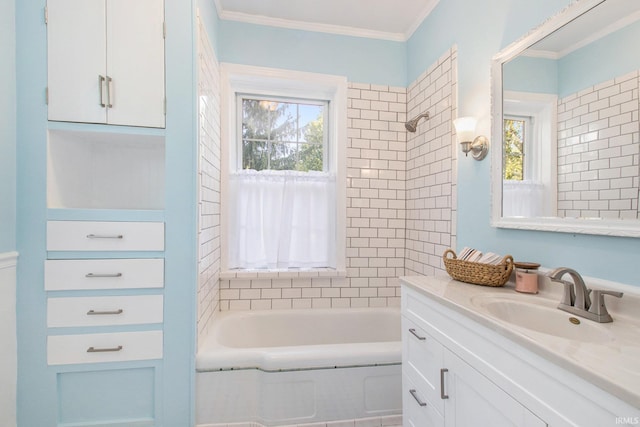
(412, 124)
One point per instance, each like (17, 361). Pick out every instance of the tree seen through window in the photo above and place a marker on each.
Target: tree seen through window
(513, 149)
(282, 135)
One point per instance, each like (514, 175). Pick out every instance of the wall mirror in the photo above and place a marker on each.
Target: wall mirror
(565, 109)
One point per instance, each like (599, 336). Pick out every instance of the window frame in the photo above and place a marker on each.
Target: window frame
(270, 82)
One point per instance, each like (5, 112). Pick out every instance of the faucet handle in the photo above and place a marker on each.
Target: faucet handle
(569, 294)
(597, 306)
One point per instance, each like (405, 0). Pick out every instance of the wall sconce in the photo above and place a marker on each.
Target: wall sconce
(465, 131)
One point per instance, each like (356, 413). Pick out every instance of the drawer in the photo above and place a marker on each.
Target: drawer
(97, 348)
(78, 274)
(417, 411)
(423, 358)
(104, 236)
(103, 311)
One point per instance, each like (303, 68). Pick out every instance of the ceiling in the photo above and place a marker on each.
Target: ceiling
(604, 19)
(380, 19)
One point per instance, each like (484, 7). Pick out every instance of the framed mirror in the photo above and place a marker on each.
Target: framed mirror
(565, 123)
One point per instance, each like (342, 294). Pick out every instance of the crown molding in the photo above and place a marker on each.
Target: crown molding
(326, 28)
(310, 26)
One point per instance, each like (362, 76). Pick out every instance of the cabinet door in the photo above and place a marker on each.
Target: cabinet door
(135, 62)
(473, 400)
(76, 33)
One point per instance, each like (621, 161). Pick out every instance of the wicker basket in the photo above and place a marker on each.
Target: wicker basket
(476, 273)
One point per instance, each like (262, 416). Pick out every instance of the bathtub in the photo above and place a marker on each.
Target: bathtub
(282, 367)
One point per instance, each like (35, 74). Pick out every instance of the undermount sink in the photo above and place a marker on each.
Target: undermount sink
(542, 319)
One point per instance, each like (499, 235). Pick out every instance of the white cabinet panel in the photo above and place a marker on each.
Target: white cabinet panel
(417, 411)
(104, 236)
(423, 357)
(103, 311)
(106, 61)
(474, 400)
(97, 348)
(76, 39)
(135, 57)
(76, 274)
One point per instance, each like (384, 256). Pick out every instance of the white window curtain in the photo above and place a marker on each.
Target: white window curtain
(523, 199)
(282, 219)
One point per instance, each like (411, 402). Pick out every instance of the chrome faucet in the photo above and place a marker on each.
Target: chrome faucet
(576, 296)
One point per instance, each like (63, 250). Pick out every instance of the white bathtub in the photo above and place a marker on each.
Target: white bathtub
(282, 367)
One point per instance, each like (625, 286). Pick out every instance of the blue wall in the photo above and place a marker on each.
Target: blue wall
(526, 74)
(482, 30)
(602, 61)
(7, 126)
(359, 59)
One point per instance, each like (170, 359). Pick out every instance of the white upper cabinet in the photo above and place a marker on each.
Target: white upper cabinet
(106, 61)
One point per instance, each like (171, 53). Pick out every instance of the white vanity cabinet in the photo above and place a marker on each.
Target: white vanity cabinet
(460, 369)
(106, 61)
(441, 389)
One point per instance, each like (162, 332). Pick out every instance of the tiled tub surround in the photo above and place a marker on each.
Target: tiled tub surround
(431, 168)
(599, 150)
(400, 202)
(209, 183)
(283, 367)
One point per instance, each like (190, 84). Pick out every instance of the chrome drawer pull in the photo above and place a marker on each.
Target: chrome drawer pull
(90, 275)
(442, 372)
(103, 313)
(100, 86)
(103, 350)
(104, 236)
(415, 334)
(415, 396)
(109, 103)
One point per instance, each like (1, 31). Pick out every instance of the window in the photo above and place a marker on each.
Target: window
(516, 133)
(284, 183)
(280, 134)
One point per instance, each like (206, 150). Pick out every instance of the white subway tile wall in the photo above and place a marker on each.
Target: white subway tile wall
(209, 183)
(599, 150)
(431, 168)
(400, 212)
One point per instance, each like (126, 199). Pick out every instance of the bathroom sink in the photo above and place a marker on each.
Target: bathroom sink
(542, 318)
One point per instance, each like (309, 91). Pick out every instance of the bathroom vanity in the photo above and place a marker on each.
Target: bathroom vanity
(476, 355)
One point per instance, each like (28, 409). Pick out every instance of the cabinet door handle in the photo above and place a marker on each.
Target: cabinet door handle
(92, 275)
(415, 334)
(415, 396)
(101, 80)
(105, 236)
(104, 313)
(442, 394)
(109, 104)
(104, 350)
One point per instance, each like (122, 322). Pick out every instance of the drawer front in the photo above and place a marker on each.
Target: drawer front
(103, 274)
(105, 236)
(423, 359)
(97, 348)
(417, 411)
(103, 311)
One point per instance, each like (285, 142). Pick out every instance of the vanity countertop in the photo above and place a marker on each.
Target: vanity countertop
(613, 364)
